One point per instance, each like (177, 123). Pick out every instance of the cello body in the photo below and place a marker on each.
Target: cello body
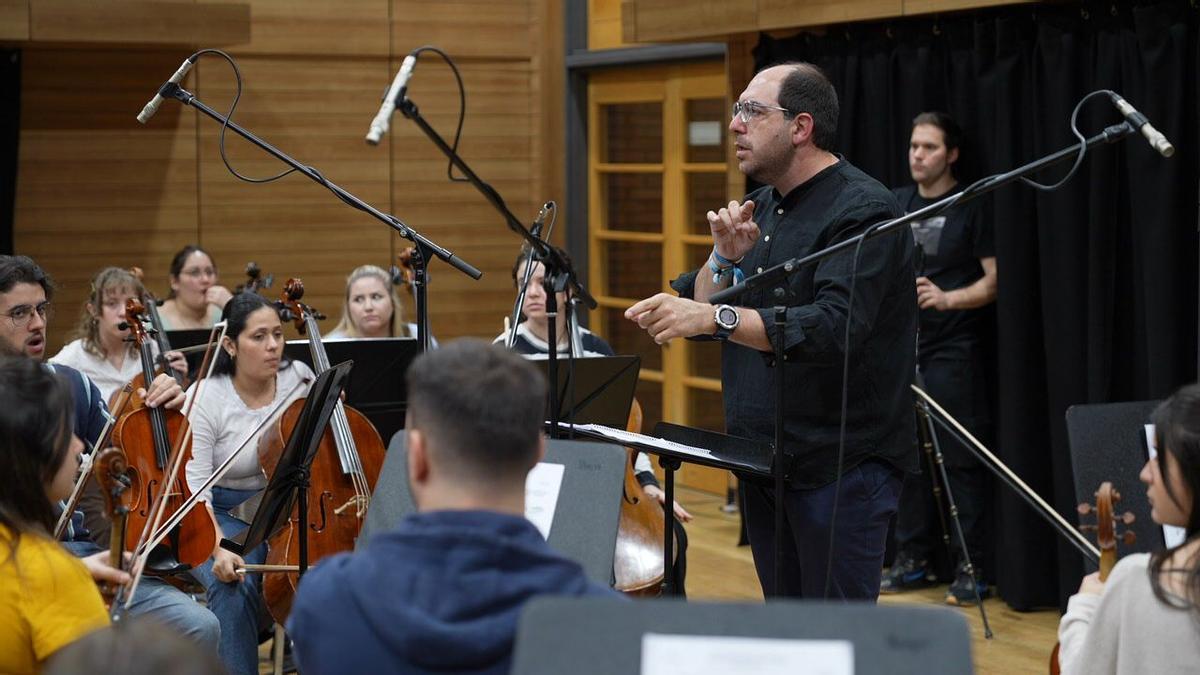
(342, 476)
(638, 558)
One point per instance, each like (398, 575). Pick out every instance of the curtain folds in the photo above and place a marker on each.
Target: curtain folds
(1098, 280)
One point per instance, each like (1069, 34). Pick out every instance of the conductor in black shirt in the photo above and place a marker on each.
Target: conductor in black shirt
(784, 125)
(956, 283)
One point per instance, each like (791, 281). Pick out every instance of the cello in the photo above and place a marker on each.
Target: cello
(638, 558)
(145, 436)
(341, 478)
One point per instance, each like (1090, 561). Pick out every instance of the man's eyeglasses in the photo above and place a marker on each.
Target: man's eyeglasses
(21, 315)
(749, 110)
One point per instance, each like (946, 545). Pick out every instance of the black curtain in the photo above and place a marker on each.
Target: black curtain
(10, 131)
(1098, 281)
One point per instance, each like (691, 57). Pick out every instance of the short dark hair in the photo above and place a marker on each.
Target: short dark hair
(19, 269)
(807, 89)
(952, 133)
(36, 423)
(481, 406)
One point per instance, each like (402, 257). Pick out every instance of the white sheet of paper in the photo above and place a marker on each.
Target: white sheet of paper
(713, 655)
(542, 486)
(1173, 535)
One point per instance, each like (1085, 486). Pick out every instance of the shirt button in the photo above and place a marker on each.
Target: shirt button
(779, 211)
(760, 270)
(767, 238)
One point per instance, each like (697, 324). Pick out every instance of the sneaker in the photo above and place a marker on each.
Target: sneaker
(907, 573)
(962, 591)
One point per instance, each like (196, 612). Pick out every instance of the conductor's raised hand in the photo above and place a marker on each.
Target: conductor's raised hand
(733, 229)
(666, 317)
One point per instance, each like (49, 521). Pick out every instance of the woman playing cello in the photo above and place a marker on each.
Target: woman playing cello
(250, 379)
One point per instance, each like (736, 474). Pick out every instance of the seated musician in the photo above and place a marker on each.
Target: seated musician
(533, 333)
(47, 597)
(372, 308)
(196, 298)
(101, 350)
(1144, 618)
(443, 591)
(25, 295)
(251, 379)
(532, 340)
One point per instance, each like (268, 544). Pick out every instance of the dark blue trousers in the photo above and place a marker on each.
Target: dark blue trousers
(869, 495)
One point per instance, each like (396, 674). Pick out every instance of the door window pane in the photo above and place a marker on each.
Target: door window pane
(707, 119)
(632, 201)
(632, 132)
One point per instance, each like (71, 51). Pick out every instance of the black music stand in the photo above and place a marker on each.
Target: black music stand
(376, 387)
(290, 480)
(586, 636)
(192, 337)
(674, 445)
(1107, 443)
(601, 392)
(585, 519)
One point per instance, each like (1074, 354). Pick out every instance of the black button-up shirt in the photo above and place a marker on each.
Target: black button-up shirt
(837, 203)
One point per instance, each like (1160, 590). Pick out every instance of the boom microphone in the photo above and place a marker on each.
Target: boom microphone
(379, 125)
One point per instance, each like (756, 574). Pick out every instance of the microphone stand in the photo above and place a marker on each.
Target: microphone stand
(776, 276)
(560, 275)
(424, 246)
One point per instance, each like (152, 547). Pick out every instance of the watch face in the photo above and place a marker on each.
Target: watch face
(727, 316)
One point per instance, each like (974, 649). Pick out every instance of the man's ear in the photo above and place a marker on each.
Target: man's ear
(952, 156)
(802, 129)
(418, 457)
(541, 452)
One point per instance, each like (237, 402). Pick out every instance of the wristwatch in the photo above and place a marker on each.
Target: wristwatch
(726, 318)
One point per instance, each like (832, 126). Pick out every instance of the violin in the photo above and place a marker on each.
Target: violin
(638, 558)
(1106, 537)
(342, 476)
(112, 474)
(145, 436)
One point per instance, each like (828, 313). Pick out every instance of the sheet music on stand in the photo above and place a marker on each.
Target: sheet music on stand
(682, 451)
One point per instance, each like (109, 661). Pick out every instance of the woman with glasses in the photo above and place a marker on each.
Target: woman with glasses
(47, 597)
(101, 350)
(196, 299)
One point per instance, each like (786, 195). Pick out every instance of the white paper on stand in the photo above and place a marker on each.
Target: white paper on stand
(1173, 535)
(542, 486)
(713, 655)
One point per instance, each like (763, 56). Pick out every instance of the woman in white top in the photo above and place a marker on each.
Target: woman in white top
(196, 298)
(250, 381)
(1146, 617)
(102, 350)
(372, 308)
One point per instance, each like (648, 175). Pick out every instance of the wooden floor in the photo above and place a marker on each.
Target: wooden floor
(720, 570)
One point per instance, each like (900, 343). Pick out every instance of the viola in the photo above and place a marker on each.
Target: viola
(112, 475)
(151, 305)
(123, 396)
(1106, 537)
(157, 444)
(638, 558)
(342, 476)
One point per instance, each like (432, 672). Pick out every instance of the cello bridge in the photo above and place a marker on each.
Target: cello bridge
(358, 502)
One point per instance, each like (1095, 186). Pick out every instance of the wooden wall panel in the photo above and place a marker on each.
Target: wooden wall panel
(96, 188)
(317, 28)
(315, 109)
(497, 143)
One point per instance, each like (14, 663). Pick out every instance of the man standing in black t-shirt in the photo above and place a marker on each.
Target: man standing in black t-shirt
(784, 126)
(956, 268)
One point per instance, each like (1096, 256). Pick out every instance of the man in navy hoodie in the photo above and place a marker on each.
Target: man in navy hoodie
(444, 590)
